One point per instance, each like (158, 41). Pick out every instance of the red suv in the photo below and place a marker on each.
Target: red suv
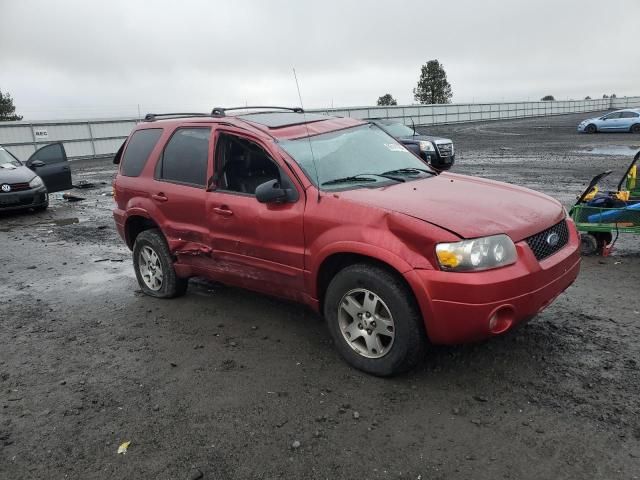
(336, 214)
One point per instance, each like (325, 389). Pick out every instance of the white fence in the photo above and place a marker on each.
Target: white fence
(96, 138)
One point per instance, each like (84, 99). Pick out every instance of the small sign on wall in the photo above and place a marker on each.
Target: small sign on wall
(40, 133)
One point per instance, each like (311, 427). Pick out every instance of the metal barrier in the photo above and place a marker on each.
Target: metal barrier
(96, 138)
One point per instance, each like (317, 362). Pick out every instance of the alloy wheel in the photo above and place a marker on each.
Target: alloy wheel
(150, 268)
(366, 323)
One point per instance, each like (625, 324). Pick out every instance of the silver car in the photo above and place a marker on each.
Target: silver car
(627, 120)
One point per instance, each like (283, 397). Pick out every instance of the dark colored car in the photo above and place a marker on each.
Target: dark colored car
(336, 214)
(436, 151)
(24, 186)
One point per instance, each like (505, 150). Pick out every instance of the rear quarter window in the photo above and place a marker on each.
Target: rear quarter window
(138, 150)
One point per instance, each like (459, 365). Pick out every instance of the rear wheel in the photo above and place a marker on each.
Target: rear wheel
(374, 321)
(588, 244)
(153, 264)
(635, 128)
(591, 128)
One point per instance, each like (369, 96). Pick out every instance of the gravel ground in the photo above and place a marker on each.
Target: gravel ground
(227, 384)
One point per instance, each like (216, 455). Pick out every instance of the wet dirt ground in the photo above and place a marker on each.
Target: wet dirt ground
(222, 383)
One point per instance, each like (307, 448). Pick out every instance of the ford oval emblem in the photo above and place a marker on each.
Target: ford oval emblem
(6, 188)
(552, 239)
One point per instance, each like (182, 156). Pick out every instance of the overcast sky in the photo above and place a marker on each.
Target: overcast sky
(79, 59)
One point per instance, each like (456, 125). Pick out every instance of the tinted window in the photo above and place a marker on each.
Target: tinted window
(612, 116)
(185, 157)
(138, 150)
(629, 115)
(50, 154)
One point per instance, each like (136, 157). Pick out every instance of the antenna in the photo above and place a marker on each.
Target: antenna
(306, 126)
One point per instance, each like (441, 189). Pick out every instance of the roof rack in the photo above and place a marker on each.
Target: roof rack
(221, 112)
(151, 117)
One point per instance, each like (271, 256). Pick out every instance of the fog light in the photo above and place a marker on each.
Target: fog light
(501, 319)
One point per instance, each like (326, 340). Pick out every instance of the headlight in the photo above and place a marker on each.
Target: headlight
(477, 254)
(36, 182)
(426, 146)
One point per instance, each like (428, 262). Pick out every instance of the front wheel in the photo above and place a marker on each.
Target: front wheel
(153, 264)
(374, 320)
(591, 128)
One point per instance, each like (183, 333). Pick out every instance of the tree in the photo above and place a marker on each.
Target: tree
(548, 98)
(605, 96)
(7, 109)
(587, 97)
(387, 99)
(433, 86)
(613, 95)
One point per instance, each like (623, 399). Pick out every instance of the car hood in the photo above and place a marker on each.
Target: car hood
(417, 138)
(11, 174)
(590, 120)
(467, 206)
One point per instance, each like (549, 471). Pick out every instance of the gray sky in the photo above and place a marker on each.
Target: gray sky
(75, 59)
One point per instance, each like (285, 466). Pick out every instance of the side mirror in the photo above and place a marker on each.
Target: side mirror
(36, 164)
(272, 192)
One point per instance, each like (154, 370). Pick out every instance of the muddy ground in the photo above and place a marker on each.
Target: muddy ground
(222, 382)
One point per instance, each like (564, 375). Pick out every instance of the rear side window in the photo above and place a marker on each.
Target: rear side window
(629, 115)
(185, 157)
(138, 150)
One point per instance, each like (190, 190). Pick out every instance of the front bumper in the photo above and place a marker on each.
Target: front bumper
(23, 199)
(438, 162)
(581, 128)
(468, 307)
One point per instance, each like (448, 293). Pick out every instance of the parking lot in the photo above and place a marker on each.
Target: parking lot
(224, 383)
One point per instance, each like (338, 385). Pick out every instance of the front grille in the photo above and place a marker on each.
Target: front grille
(17, 187)
(445, 149)
(542, 243)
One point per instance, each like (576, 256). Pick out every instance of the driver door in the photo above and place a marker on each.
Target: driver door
(50, 163)
(256, 245)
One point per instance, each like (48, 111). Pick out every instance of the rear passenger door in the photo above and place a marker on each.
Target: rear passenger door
(628, 120)
(179, 188)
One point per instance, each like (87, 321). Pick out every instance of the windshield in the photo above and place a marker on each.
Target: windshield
(353, 152)
(398, 129)
(7, 158)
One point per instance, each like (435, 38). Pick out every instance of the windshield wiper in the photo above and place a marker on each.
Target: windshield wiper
(409, 170)
(363, 177)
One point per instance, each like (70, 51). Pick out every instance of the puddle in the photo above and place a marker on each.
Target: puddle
(619, 150)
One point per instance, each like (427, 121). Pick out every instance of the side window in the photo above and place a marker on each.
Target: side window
(138, 150)
(185, 157)
(50, 154)
(612, 116)
(242, 165)
(629, 115)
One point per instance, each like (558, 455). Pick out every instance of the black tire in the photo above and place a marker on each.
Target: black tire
(41, 208)
(588, 244)
(635, 128)
(591, 128)
(409, 342)
(171, 285)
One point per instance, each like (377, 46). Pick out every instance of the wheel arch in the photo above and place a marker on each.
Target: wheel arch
(336, 261)
(136, 224)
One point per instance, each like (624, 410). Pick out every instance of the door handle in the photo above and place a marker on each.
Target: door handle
(159, 197)
(223, 210)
